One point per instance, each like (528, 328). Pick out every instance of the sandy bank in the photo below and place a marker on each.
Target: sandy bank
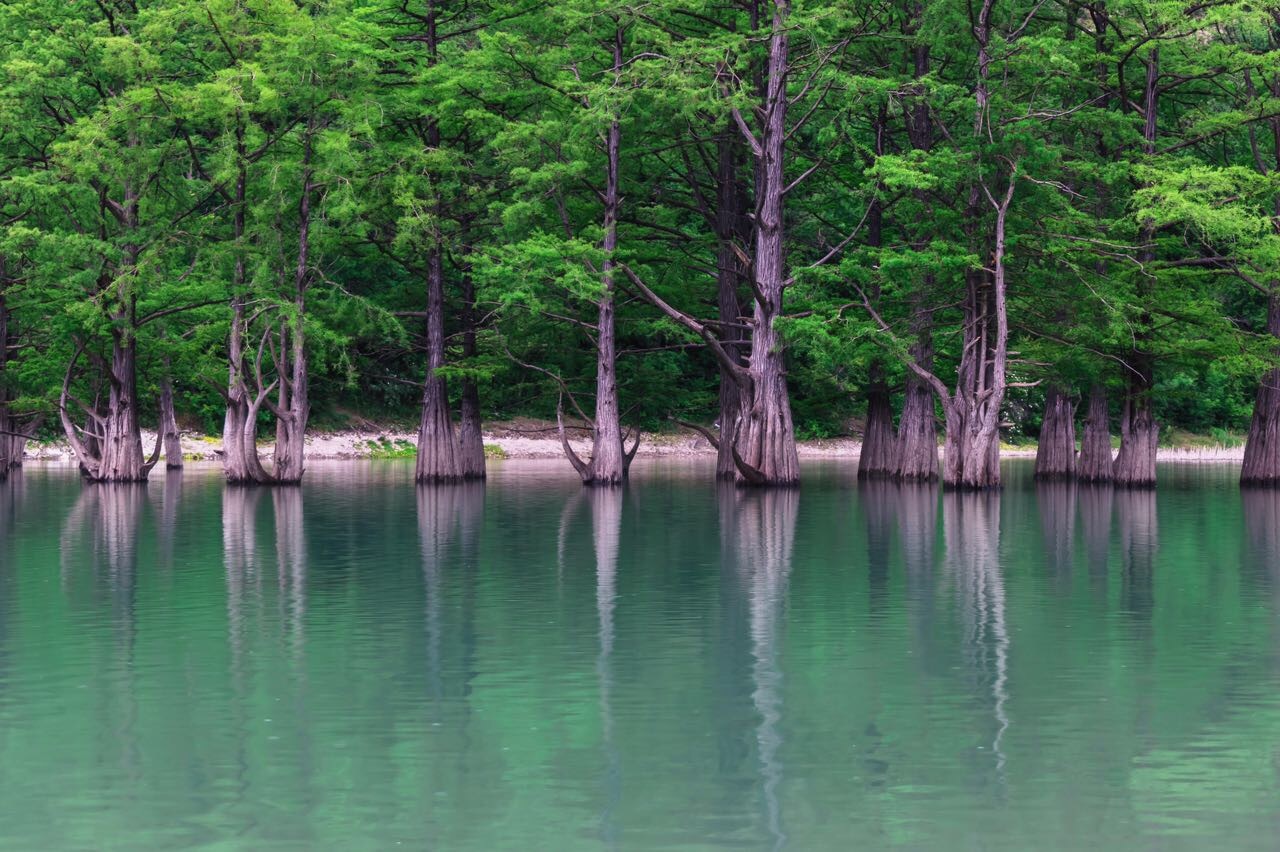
(526, 439)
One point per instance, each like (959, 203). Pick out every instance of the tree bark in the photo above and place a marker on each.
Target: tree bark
(169, 433)
(878, 458)
(1056, 450)
(1095, 464)
(437, 442)
(766, 450)
(1262, 447)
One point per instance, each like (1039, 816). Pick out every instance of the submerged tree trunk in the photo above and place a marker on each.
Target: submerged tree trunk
(765, 453)
(169, 433)
(878, 457)
(1094, 464)
(1262, 448)
(1056, 450)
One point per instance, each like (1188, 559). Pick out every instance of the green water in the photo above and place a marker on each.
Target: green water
(528, 665)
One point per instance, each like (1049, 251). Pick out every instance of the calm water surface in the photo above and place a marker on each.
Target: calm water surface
(528, 665)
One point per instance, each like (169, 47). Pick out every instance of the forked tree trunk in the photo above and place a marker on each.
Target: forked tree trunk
(169, 433)
(115, 452)
(1262, 447)
(878, 457)
(765, 453)
(1056, 450)
(1094, 464)
(437, 443)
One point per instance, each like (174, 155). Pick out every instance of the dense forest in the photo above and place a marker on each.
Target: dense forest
(758, 219)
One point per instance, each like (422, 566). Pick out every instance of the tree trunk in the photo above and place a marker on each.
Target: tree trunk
(766, 450)
(294, 407)
(729, 275)
(1094, 464)
(878, 457)
(1056, 450)
(437, 443)
(169, 433)
(609, 461)
(7, 428)
(470, 425)
(1262, 447)
(1135, 464)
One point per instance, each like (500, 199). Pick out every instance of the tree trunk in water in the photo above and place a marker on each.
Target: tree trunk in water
(766, 449)
(240, 462)
(470, 425)
(7, 440)
(294, 406)
(169, 433)
(972, 450)
(114, 454)
(1135, 464)
(1262, 447)
(878, 457)
(437, 443)
(1094, 464)
(729, 275)
(1056, 450)
(609, 461)
(917, 428)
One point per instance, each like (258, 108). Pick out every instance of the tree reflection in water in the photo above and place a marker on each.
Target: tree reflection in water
(765, 523)
(1056, 501)
(971, 529)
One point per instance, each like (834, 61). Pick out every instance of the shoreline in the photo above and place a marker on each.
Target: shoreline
(510, 441)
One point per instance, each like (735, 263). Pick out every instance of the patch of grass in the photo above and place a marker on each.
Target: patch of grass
(1180, 439)
(493, 451)
(385, 448)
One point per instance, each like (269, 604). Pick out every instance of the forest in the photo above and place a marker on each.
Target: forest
(762, 220)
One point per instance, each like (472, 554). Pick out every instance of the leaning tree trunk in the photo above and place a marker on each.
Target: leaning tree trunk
(765, 453)
(437, 443)
(1094, 464)
(169, 433)
(470, 434)
(1056, 450)
(1262, 447)
(878, 457)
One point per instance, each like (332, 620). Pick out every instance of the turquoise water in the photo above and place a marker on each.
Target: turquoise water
(362, 664)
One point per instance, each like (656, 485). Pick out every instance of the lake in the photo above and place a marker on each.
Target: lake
(362, 664)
